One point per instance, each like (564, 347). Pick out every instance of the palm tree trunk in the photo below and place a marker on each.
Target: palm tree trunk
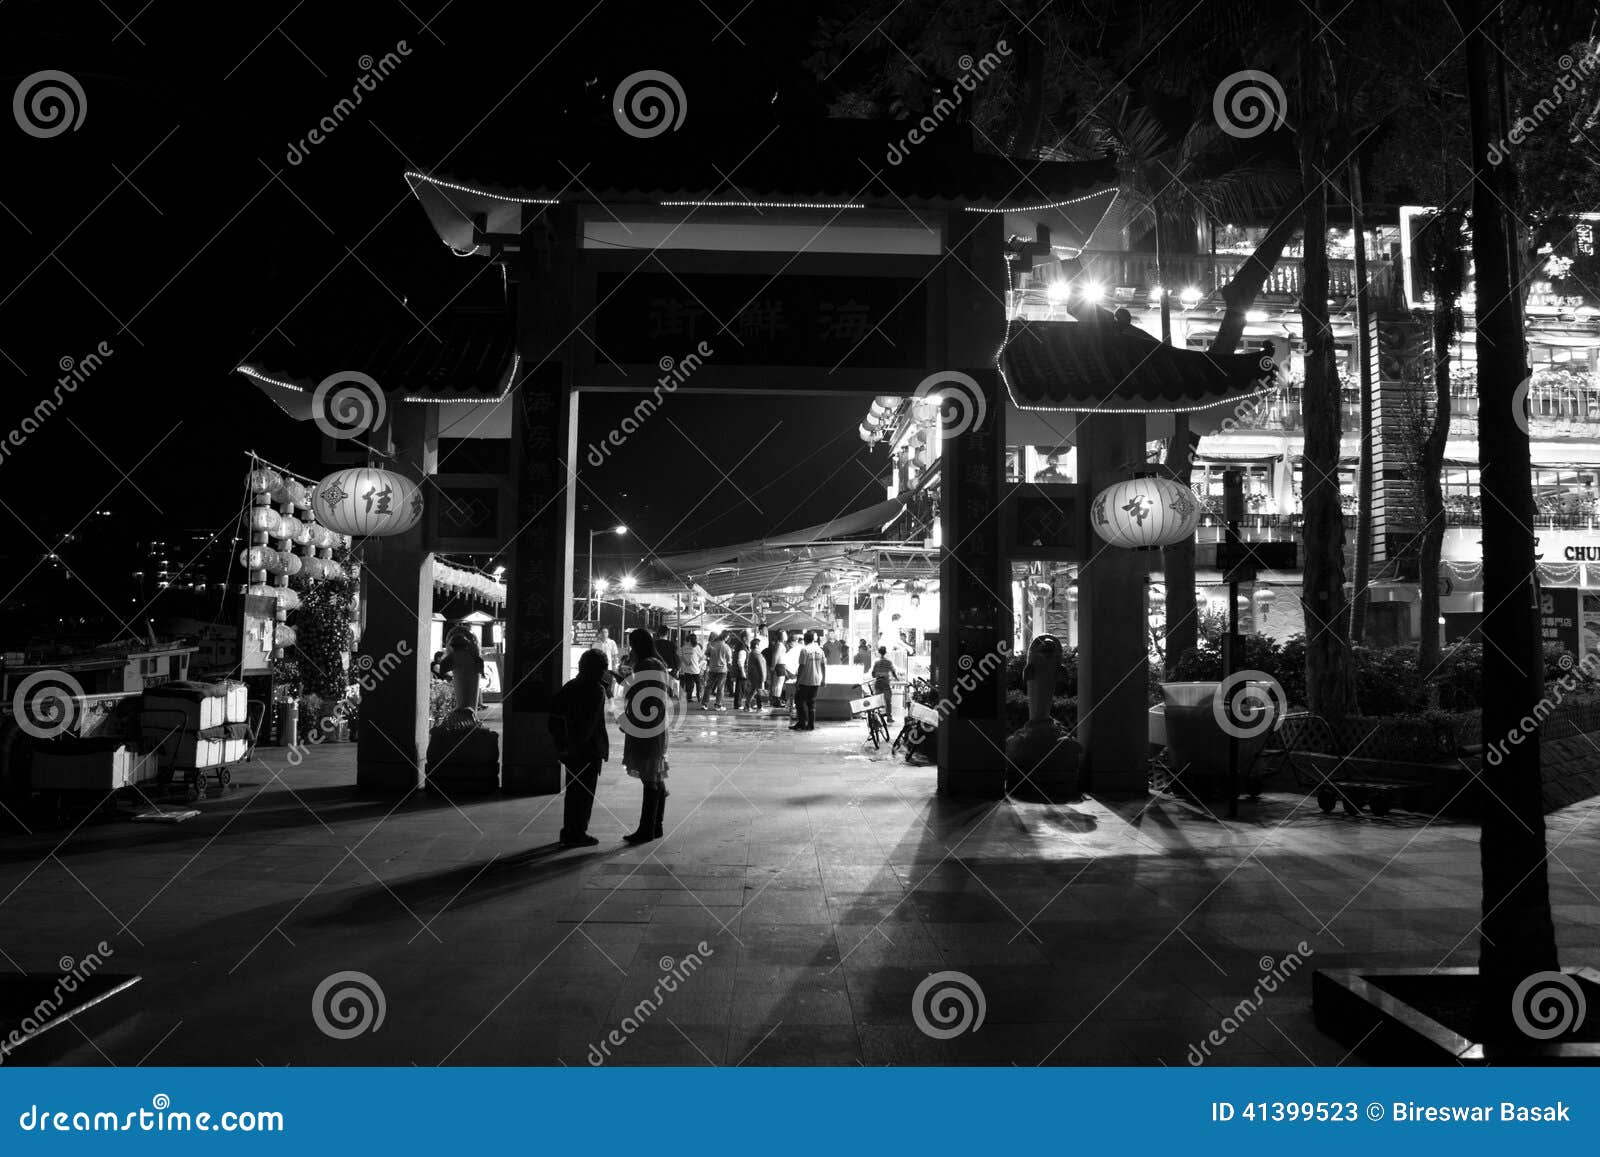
(1363, 576)
(1241, 292)
(1432, 465)
(1518, 935)
(1328, 682)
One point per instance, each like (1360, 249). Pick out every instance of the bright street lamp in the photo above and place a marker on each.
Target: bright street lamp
(618, 529)
(629, 582)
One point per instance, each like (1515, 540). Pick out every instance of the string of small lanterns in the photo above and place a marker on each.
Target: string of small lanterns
(285, 542)
(459, 580)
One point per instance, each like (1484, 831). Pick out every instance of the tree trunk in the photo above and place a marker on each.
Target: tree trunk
(1328, 682)
(1518, 936)
(1241, 292)
(1363, 578)
(1432, 466)
(1177, 561)
(1030, 71)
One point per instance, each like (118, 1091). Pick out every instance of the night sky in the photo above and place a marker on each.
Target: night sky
(172, 227)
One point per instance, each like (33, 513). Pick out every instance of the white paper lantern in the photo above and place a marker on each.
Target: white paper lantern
(1145, 513)
(364, 501)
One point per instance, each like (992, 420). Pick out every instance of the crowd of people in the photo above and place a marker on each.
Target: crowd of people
(785, 674)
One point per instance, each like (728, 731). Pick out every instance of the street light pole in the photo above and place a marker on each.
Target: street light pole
(593, 608)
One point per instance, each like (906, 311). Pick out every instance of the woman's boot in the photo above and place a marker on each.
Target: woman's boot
(661, 809)
(649, 808)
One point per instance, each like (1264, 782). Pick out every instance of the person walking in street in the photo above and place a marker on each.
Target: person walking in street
(755, 674)
(741, 647)
(883, 677)
(811, 675)
(864, 657)
(645, 722)
(775, 664)
(605, 645)
(578, 723)
(718, 656)
(691, 666)
(667, 652)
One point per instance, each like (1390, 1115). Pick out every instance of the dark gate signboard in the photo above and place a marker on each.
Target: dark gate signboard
(761, 319)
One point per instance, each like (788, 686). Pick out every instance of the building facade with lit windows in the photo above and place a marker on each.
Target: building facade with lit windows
(1263, 436)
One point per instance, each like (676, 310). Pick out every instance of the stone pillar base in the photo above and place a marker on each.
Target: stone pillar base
(972, 758)
(387, 775)
(463, 759)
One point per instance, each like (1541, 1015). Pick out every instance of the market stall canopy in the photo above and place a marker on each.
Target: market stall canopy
(1106, 368)
(870, 520)
(833, 163)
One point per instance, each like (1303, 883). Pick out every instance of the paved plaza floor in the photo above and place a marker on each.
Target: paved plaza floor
(805, 890)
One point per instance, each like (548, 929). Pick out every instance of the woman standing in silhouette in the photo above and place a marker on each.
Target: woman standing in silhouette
(649, 707)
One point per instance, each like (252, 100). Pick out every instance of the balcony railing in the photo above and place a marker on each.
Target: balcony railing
(1209, 272)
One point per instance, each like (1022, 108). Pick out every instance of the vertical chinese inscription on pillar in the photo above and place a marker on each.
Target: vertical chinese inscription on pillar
(538, 543)
(981, 593)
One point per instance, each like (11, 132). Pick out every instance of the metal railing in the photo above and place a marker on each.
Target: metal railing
(1210, 272)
